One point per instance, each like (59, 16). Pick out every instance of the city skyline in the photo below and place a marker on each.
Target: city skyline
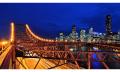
(48, 20)
(89, 52)
(59, 36)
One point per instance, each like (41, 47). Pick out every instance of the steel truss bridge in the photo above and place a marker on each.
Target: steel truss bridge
(26, 50)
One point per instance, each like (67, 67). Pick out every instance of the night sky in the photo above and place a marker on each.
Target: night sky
(47, 19)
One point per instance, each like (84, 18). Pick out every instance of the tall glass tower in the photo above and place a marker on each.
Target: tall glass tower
(74, 34)
(108, 24)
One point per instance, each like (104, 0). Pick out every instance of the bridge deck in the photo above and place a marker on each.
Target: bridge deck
(29, 63)
(4, 54)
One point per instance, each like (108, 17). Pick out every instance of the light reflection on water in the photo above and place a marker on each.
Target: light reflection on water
(99, 65)
(96, 65)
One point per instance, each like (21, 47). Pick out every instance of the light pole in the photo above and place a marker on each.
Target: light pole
(3, 44)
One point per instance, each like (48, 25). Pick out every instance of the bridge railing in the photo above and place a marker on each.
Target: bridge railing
(6, 58)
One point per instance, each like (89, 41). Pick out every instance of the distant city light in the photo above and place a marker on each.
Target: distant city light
(71, 49)
(4, 42)
(95, 48)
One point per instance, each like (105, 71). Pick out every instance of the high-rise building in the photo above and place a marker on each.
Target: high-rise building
(73, 29)
(61, 36)
(74, 34)
(82, 35)
(119, 35)
(119, 32)
(91, 30)
(108, 25)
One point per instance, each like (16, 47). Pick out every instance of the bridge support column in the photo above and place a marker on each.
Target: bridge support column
(89, 59)
(13, 57)
(72, 56)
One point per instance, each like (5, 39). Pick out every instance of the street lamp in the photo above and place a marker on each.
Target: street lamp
(3, 44)
(71, 49)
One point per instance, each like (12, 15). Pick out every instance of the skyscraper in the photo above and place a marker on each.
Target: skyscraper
(61, 36)
(74, 34)
(82, 35)
(108, 25)
(73, 29)
(91, 30)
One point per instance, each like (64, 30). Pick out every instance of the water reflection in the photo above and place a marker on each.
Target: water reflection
(96, 65)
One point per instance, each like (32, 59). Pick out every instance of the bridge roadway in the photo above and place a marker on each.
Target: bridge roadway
(4, 54)
(30, 63)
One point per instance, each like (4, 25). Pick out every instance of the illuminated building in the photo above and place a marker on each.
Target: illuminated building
(61, 36)
(119, 35)
(74, 35)
(82, 35)
(92, 36)
(91, 30)
(108, 25)
(67, 38)
(89, 35)
(57, 38)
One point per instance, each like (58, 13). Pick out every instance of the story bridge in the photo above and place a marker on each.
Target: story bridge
(26, 50)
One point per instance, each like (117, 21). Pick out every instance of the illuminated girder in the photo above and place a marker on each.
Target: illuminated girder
(12, 32)
(37, 37)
